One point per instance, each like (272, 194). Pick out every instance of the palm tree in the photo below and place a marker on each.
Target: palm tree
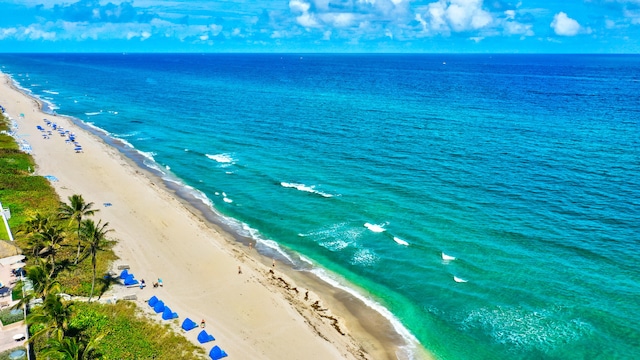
(72, 348)
(75, 211)
(53, 315)
(94, 236)
(51, 236)
(36, 223)
(41, 282)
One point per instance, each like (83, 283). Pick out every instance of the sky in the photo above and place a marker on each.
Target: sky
(323, 26)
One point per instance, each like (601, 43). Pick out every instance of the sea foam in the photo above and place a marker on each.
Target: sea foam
(374, 227)
(305, 188)
(225, 159)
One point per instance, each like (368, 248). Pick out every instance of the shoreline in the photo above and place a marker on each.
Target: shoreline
(376, 335)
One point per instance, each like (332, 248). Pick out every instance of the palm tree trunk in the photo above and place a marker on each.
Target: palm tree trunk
(78, 253)
(93, 280)
(53, 265)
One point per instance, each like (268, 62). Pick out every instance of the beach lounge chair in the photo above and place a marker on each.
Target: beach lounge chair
(153, 301)
(167, 314)
(189, 324)
(130, 281)
(217, 353)
(159, 306)
(204, 337)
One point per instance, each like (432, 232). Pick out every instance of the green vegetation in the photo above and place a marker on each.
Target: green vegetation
(68, 253)
(128, 336)
(10, 316)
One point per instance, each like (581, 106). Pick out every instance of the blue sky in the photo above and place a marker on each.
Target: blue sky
(417, 26)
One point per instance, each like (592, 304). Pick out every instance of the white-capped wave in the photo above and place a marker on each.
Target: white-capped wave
(148, 154)
(400, 241)
(446, 257)
(227, 200)
(267, 243)
(374, 227)
(94, 113)
(306, 260)
(305, 188)
(51, 92)
(459, 280)
(336, 237)
(225, 159)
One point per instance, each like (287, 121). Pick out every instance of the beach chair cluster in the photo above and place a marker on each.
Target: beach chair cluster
(160, 307)
(187, 325)
(70, 137)
(128, 279)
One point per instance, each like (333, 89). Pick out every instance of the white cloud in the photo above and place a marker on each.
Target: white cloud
(633, 15)
(388, 33)
(563, 25)
(423, 23)
(307, 20)
(444, 16)
(299, 6)
(610, 24)
(338, 19)
(516, 28)
(510, 14)
(7, 33)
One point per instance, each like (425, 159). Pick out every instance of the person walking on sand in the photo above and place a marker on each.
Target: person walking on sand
(239, 270)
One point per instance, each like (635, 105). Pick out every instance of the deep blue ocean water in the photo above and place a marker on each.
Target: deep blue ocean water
(524, 168)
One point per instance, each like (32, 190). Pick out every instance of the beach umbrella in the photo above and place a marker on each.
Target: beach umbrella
(18, 265)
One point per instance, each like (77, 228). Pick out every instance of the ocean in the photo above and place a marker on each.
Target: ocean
(489, 205)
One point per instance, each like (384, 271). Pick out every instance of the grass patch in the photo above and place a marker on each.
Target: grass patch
(128, 335)
(16, 293)
(9, 316)
(76, 279)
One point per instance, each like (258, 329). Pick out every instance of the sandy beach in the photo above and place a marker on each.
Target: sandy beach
(264, 312)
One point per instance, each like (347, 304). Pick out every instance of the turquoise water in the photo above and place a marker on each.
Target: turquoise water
(381, 168)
